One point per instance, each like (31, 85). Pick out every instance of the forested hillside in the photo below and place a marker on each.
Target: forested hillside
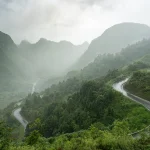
(23, 65)
(88, 102)
(84, 111)
(113, 40)
(95, 103)
(139, 84)
(145, 59)
(93, 138)
(103, 63)
(94, 117)
(13, 79)
(8, 66)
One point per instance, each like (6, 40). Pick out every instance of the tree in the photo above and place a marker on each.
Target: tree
(33, 138)
(5, 136)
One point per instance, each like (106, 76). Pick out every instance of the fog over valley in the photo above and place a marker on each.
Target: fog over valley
(74, 74)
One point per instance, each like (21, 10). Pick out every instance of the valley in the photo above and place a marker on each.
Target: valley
(86, 97)
(17, 111)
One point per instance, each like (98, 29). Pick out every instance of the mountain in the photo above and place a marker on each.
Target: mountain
(49, 58)
(8, 68)
(80, 113)
(28, 62)
(102, 64)
(6, 41)
(7, 48)
(22, 65)
(145, 59)
(113, 40)
(77, 103)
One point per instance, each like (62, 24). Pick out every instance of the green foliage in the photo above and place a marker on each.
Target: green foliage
(146, 59)
(103, 63)
(95, 139)
(32, 139)
(139, 84)
(88, 115)
(94, 103)
(5, 136)
(121, 128)
(91, 139)
(36, 104)
(106, 43)
(137, 66)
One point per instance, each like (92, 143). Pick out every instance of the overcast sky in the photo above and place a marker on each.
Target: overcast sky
(73, 20)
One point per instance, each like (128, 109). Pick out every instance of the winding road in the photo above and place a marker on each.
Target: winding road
(18, 116)
(17, 111)
(119, 87)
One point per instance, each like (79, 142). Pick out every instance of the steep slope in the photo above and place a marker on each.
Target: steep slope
(84, 99)
(27, 62)
(50, 58)
(113, 40)
(139, 84)
(9, 70)
(22, 65)
(14, 83)
(104, 63)
(145, 59)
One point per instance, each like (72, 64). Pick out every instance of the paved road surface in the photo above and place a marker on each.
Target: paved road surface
(119, 87)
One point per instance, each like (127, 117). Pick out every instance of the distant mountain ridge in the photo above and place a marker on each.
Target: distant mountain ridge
(27, 62)
(46, 59)
(6, 41)
(113, 40)
(9, 67)
(51, 57)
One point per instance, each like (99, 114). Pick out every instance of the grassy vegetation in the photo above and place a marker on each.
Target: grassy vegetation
(145, 59)
(84, 112)
(139, 84)
(94, 102)
(94, 138)
(18, 133)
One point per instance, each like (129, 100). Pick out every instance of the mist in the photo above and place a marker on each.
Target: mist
(75, 21)
(74, 74)
(49, 35)
(49, 59)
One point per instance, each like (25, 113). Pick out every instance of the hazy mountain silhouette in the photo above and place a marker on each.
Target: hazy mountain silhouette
(113, 40)
(9, 67)
(27, 62)
(50, 58)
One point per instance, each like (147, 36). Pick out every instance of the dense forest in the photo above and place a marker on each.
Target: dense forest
(103, 63)
(95, 103)
(113, 40)
(116, 138)
(139, 84)
(83, 111)
(93, 117)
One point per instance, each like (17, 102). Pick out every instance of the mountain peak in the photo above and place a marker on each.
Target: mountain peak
(113, 40)
(6, 40)
(125, 27)
(85, 43)
(43, 39)
(67, 43)
(25, 42)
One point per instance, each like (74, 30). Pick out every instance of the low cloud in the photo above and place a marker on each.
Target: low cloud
(73, 20)
(85, 2)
